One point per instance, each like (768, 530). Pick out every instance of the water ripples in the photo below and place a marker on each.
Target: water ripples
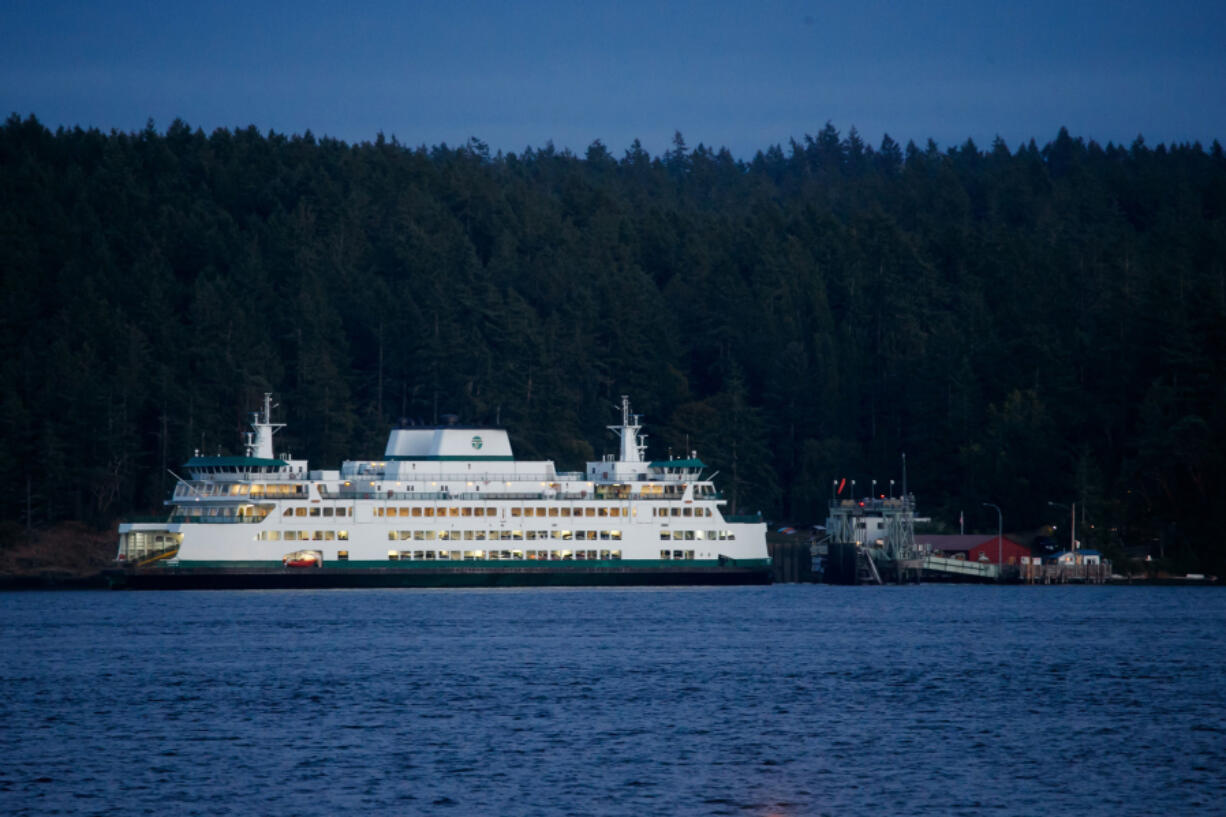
(787, 700)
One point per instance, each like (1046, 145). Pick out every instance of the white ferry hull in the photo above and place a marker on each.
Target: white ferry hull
(445, 507)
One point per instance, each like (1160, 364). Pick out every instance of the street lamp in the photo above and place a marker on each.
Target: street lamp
(1000, 526)
(1072, 541)
(891, 489)
(874, 489)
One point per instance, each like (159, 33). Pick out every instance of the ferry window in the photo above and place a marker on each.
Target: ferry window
(699, 535)
(479, 534)
(617, 535)
(444, 535)
(288, 512)
(664, 554)
(419, 535)
(553, 511)
(429, 536)
(327, 511)
(517, 554)
(455, 554)
(581, 554)
(687, 512)
(468, 536)
(664, 535)
(689, 534)
(675, 511)
(677, 554)
(329, 536)
(516, 512)
(429, 511)
(604, 534)
(531, 534)
(566, 511)
(517, 534)
(602, 511)
(391, 536)
(689, 554)
(291, 536)
(393, 555)
(566, 535)
(317, 536)
(591, 512)
(615, 554)
(540, 511)
(491, 511)
(430, 554)
(403, 511)
(419, 554)
(314, 511)
(506, 534)
(604, 554)
(342, 535)
(406, 555)
(300, 511)
(342, 555)
(417, 511)
(467, 511)
(453, 512)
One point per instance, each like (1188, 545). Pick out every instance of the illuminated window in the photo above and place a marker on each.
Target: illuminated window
(342, 555)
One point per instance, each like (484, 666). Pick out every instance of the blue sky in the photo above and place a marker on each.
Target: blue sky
(736, 74)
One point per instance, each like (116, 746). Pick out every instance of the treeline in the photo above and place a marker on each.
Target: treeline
(1029, 324)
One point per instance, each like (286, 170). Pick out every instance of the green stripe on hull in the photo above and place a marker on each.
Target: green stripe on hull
(485, 564)
(266, 575)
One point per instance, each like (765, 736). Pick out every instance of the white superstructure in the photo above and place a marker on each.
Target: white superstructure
(442, 494)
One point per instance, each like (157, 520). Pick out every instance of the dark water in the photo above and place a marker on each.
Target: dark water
(786, 700)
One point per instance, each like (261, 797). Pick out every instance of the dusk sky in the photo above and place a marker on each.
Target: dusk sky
(741, 75)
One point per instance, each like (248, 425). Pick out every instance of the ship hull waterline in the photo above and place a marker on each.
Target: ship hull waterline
(274, 578)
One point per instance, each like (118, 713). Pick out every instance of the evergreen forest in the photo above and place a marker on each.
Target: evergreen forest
(1027, 323)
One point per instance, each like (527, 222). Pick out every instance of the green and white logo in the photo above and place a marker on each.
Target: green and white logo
(477, 442)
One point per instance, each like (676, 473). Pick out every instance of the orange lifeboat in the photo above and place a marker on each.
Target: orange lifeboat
(303, 558)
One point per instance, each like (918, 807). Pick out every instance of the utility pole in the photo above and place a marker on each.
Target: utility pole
(1000, 527)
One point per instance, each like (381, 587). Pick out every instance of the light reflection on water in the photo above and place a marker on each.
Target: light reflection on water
(787, 700)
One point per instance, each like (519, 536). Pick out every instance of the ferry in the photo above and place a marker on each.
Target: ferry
(446, 506)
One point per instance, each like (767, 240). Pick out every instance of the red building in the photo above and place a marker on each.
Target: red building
(974, 547)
